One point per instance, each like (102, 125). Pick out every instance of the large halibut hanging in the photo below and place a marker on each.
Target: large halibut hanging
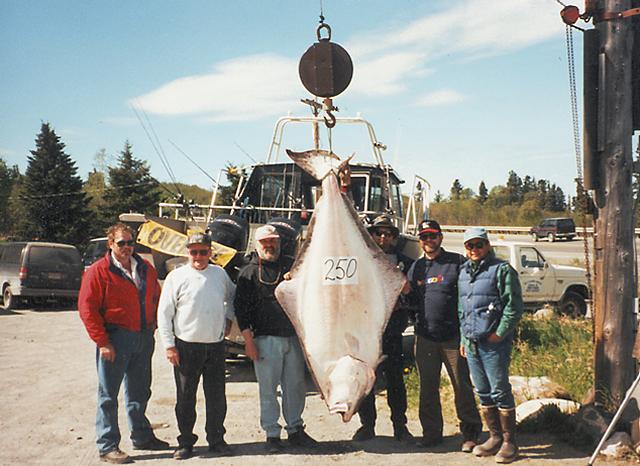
(342, 292)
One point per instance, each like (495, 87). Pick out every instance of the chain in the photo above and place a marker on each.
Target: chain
(582, 197)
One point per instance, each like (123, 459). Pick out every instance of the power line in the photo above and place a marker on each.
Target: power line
(75, 193)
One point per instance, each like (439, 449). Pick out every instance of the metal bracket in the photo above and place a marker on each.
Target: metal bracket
(609, 15)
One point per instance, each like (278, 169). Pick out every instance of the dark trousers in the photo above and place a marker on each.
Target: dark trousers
(196, 360)
(392, 370)
(430, 356)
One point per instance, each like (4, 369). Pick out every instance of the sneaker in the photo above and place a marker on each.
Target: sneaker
(468, 445)
(274, 445)
(154, 443)
(363, 434)
(116, 456)
(402, 434)
(183, 453)
(301, 439)
(220, 448)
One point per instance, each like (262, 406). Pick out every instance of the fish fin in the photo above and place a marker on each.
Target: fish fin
(318, 163)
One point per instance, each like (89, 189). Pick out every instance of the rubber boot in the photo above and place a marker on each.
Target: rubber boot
(492, 444)
(509, 450)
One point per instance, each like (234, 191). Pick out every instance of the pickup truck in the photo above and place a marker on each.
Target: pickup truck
(544, 282)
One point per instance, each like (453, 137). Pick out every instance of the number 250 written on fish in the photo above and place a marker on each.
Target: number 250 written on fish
(340, 270)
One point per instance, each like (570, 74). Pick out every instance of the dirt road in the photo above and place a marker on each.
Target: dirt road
(47, 411)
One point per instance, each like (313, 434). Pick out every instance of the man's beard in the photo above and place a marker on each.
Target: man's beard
(269, 256)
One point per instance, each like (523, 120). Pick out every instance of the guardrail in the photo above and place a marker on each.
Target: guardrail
(507, 230)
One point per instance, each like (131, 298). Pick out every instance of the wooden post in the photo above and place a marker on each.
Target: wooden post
(614, 223)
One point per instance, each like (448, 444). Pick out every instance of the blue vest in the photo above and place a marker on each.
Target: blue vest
(480, 298)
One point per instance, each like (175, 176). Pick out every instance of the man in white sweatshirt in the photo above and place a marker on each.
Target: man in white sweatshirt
(194, 316)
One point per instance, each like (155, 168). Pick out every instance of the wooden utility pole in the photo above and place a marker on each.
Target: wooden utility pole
(614, 220)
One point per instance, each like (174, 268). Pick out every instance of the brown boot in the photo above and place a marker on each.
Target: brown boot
(509, 450)
(492, 444)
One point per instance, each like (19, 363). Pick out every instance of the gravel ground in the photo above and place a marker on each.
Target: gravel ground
(47, 411)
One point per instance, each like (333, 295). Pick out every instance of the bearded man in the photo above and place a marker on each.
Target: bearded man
(271, 342)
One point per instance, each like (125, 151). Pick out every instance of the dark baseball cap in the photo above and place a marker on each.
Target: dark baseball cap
(429, 226)
(199, 238)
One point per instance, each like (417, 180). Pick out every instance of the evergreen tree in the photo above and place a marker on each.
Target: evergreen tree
(514, 188)
(456, 190)
(54, 207)
(483, 193)
(8, 177)
(131, 187)
(528, 185)
(439, 197)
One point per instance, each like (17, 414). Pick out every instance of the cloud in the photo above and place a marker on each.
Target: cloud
(442, 97)
(388, 61)
(245, 88)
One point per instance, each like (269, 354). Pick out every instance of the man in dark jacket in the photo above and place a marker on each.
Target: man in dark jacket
(385, 234)
(490, 308)
(118, 303)
(434, 283)
(271, 341)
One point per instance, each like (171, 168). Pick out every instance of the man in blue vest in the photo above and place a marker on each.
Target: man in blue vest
(490, 307)
(434, 284)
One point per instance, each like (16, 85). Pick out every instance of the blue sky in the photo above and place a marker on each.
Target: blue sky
(456, 89)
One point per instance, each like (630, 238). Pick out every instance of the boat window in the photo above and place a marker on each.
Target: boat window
(358, 191)
(375, 195)
(396, 200)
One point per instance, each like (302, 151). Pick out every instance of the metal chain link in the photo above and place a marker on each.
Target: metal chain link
(581, 193)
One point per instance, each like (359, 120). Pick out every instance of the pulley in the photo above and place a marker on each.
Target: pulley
(326, 68)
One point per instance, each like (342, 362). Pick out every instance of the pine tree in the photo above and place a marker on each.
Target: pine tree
(456, 190)
(483, 193)
(514, 188)
(131, 187)
(54, 207)
(8, 177)
(439, 197)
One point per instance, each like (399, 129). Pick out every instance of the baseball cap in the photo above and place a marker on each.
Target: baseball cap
(266, 232)
(429, 226)
(199, 238)
(475, 232)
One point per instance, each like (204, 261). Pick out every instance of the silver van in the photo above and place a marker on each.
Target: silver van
(37, 272)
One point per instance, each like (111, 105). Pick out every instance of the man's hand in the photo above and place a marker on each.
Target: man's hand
(463, 351)
(287, 276)
(250, 348)
(108, 352)
(227, 328)
(173, 356)
(494, 338)
(406, 289)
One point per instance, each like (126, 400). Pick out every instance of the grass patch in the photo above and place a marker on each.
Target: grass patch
(559, 348)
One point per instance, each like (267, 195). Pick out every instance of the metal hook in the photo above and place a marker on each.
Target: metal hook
(331, 122)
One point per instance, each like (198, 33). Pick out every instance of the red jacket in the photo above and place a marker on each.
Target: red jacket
(108, 296)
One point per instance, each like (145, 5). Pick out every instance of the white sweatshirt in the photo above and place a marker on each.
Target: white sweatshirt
(194, 305)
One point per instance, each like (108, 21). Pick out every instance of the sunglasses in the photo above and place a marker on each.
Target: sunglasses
(476, 245)
(383, 233)
(122, 243)
(199, 252)
(426, 236)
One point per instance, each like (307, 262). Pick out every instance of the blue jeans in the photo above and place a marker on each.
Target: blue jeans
(280, 363)
(133, 365)
(489, 368)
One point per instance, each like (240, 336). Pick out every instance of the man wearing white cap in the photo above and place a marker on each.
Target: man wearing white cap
(271, 341)
(194, 315)
(490, 307)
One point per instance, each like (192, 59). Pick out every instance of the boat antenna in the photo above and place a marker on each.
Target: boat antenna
(215, 183)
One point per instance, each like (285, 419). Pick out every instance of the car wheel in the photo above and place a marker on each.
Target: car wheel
(535, 237)
(573, 305)
(551, 237)
(7, 299)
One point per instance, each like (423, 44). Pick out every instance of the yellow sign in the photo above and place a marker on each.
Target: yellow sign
(169, 241)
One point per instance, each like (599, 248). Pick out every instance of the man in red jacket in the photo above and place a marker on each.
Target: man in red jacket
(118, 303)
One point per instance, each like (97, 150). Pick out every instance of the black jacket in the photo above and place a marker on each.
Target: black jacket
(255, 304)
(434, 285)
(400, 316)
